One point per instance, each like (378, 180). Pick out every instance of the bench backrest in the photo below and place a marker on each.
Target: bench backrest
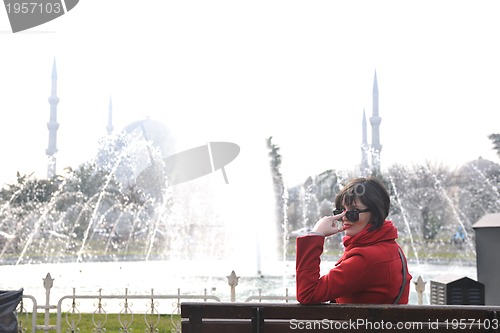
(207, 317)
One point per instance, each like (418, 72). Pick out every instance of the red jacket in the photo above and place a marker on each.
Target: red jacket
(369, 271)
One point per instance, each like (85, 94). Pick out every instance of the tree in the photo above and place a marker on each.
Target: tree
(30, 191)
(279, 187)
(495, 139)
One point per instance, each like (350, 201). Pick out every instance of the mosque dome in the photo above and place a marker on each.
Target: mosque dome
(153, 131)
(139, 145)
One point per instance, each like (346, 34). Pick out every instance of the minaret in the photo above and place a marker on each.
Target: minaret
(52, 125)
(109, 128)
(375, 122)
(364, 167)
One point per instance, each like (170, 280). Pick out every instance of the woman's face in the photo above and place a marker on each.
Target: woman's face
(353, 228)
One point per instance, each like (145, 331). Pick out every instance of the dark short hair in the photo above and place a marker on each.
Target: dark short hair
(372, 193)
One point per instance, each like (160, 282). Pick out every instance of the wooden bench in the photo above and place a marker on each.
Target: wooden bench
(204, 317)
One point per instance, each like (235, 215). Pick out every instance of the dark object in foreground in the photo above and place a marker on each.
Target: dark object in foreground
(274, 317)
(9, 300)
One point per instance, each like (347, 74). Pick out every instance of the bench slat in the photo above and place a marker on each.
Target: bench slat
(275, 317)
(340, 311)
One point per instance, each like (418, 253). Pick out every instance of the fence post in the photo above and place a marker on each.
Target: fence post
(420, 288)
(232, 280)
(48, 282)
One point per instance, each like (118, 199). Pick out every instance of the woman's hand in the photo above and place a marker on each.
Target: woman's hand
(327, 225)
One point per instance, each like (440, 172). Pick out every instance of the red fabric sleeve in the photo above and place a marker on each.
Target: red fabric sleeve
(349, 277)
(308, 252)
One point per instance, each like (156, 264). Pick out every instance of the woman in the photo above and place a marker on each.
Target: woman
(373, 268)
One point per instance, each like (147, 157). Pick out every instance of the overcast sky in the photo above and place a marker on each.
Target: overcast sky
(241, 71)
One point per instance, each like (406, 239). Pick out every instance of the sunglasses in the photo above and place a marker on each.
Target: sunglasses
(352, 215)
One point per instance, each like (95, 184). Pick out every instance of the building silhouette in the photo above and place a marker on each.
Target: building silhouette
(127, 153)
(370, 153)
(52, 125)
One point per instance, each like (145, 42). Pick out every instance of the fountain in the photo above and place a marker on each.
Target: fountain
(109, 210)
(428, 205)
(105, 219)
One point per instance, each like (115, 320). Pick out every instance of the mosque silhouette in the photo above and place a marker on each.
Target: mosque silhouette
(149, 149)
(202, 160)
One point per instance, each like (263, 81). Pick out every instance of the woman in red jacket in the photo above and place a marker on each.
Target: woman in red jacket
(373, 267)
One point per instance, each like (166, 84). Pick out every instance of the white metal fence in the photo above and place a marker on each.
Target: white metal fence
(69, 308)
